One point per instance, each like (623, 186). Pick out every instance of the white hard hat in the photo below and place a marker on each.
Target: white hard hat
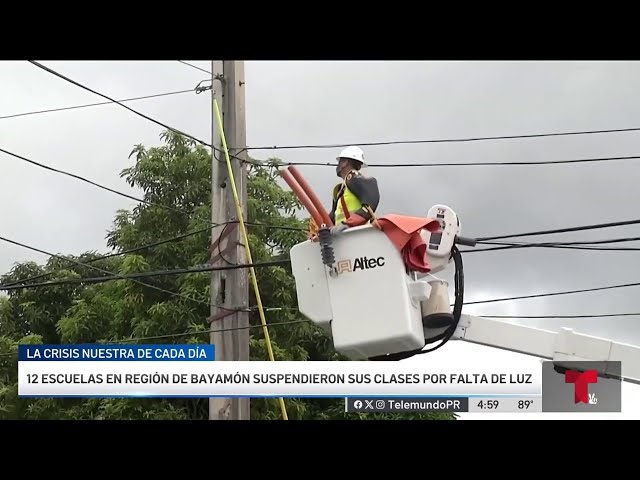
(355, 153)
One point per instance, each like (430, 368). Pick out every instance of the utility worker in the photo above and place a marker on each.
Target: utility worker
(356, 199)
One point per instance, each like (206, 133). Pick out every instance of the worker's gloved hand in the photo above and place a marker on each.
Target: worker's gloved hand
(338, 228)
(355, 220)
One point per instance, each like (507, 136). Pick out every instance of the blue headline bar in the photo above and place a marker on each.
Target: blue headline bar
(115, 353)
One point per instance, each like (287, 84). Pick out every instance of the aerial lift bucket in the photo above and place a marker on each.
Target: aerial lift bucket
(358, 286)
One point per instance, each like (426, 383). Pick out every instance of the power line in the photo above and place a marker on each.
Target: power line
(122, 194)
(146, 117)
(473, 164)
(129, 276)
(575, 242)
(57, 74)
(178, 335)
(398, 165)
(157, 122)
(191, 216)
(195, 66)
(335, 145)
(37, 112)
(603, 315)
(114, 275)
(569, 245)
(102, 187)
(563, 230)
(292, 322)
(482, 239)
(276, 263)
(540, 295)
(446, 140)
(599, 315)
(117, 254)
(147, 246)
(90, 182)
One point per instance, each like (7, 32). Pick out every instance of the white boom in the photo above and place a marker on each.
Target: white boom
(566, 345)
(358, 288)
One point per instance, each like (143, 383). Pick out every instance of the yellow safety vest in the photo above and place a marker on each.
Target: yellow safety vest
(352, 202)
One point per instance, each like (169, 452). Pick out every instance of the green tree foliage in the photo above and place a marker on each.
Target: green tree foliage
(175, 175)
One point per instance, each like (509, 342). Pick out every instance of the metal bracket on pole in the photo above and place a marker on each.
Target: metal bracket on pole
(199, 88)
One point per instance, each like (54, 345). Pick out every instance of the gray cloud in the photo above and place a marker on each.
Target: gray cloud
(351, 102)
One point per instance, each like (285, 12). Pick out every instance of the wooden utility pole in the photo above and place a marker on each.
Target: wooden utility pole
(229, 288)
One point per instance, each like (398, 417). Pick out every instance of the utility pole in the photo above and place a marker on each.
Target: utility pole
(229, 288)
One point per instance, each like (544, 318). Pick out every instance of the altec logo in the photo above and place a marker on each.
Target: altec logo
(361, 263)
(581, 380)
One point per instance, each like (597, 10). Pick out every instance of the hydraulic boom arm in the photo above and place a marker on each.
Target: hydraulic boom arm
(566, 345)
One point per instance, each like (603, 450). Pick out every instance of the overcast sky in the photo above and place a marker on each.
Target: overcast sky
(352, 102)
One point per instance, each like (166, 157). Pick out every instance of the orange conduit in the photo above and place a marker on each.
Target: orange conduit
(312, 196)
(297, 189)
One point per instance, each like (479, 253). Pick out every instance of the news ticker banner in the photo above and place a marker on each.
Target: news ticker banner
(164, 371)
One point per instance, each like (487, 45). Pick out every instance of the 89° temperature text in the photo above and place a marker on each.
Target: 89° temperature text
(506, 405)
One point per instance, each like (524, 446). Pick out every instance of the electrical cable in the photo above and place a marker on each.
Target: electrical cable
(178, 335)
(447, 140)
(602, 315)
(146, 117)
(122, 194)
(338, 145)
(247, 148)
(49, 70)
(90, 182)
(292, 322)
(280, 262)
(573, 244)
(115, 275)
(59, 75)
(129, 276)
(275, 263)
(194, 66)
(110, 255)
(147, 246)
(569, 247)
(37, 112)
(551, 294)
(473, 164)
(246, 246)
(569, 316)
(151, 245)
(562, 230)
